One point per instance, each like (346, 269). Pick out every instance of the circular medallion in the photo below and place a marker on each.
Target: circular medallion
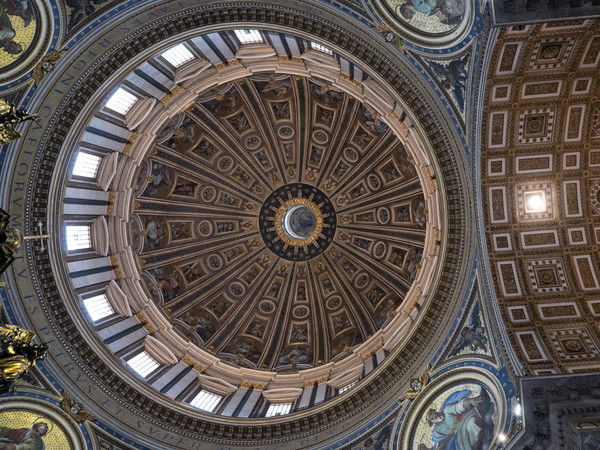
(334, 302)
(205, 228)
(225, 164)
(26, 34)
(215, 262)
(361, 281)
(297, 222)
(426, 22)
(286, 132)
(383, 215)
(209, 194)
(253, 142)
(320, 137)
(237, 289)
(301, 312)
(351, 154)
(267, 306)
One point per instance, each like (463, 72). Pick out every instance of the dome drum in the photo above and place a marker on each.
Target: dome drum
(185, 244)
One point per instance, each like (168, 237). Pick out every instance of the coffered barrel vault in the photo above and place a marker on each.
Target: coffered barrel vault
(540, 184)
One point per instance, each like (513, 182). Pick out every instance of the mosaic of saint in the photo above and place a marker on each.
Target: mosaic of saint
(27, 430)
(18, 32)
(432, 17)
(460, 418)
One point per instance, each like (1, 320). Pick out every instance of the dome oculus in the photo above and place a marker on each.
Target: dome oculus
(297, 222)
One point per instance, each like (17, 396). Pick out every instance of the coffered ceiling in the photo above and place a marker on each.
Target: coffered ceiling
(540, 168)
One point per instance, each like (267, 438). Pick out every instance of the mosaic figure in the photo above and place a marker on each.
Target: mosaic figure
(12, 11)
(429, 16)
(23, 438)
(472, 336)
(464, 421)
(302, 355)
(276, 88)
(159, 176)
(299, 333)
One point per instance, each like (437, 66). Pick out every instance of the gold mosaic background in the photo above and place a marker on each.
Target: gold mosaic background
(55, 439)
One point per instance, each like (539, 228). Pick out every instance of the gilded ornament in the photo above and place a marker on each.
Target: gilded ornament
(17, 354)
(417, 384)
(573, 345)
(390, 36)
(75, 409)
(9, 116)
(46, 65)
(141, 317)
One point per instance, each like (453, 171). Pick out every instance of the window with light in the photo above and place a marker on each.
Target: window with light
(143, 364)
(98, 307)
(178, 55)
(78, 237)
(86, 165)
(278, 409)
(320, 48)
(206, 401)
(249, 36)
(121, 101)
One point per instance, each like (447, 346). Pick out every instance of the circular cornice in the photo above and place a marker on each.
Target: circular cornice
(449, 169)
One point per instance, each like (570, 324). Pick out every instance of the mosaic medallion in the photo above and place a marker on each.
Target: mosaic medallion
(297, 222)
(427, 22)
(24, 37)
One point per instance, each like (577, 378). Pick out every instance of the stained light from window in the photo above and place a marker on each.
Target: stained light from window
(320, 48)
(143, 364)
(178, 55)
(249, 36)
(121, 101)
(86, 165)
(206, 401)
(278, 409)
(78, 237)
(98, 307)
(345, 388)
